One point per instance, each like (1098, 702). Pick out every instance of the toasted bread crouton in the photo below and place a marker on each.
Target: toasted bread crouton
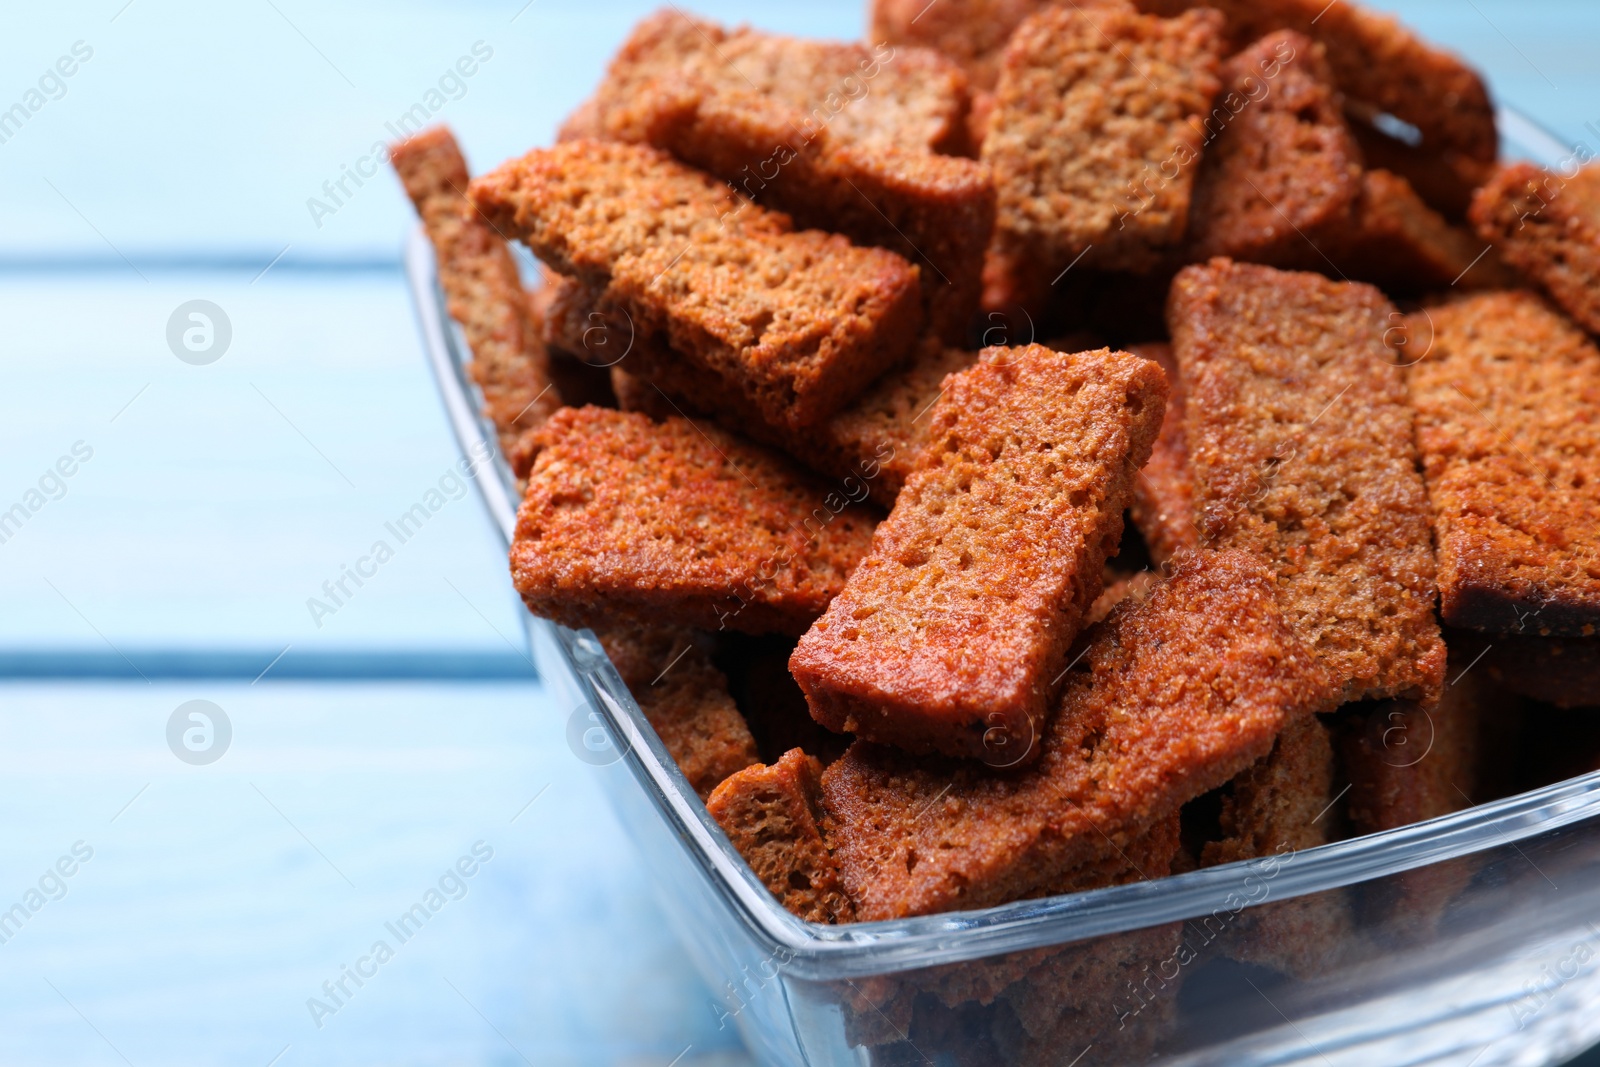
(951, 635)
(1095, 139)
(843, 136)
(772, 816)
(484, 292)
(1281, 162)
(799, 321)
(1377, 62)
(1506, 400)
(669, 522)
(1397, 242)
(1548, 227)
(1175, 695)
(1300, 440)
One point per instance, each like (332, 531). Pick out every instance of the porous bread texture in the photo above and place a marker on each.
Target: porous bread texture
(1095, 139)
(1176, 694)
(800, 322)
(1301, 447)
(1280, 162)
(951, 635)
(772, 814)
(484, 292)
(670, 522)
(1507, 396)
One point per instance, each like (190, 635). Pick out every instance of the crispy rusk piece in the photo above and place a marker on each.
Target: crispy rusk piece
(1163, 497)
(1281, 804)
(1095, 138)
(1446, 180)
(1506, 399)
(1282, 161)
(686, 699)
(772, 814)
(1400, 243)
(1175, 695)
(873, 442)
(951, 634)
(484, 292)
(1300, 440)
(800, 321)
(675, 523)
(1556, 670)
(1377, 62)
(1548, 227)
(845, 137)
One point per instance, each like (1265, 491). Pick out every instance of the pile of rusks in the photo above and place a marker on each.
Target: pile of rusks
(850, 358)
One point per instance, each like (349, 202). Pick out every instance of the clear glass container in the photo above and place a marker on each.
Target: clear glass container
(1472, 939)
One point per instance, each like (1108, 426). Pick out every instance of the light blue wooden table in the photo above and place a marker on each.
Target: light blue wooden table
(176, 562)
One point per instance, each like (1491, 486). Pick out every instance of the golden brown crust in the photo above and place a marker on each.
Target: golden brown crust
(1283, 162)
(1506, 399)
(1162, 507)
(1548, 226)
(1175, 695)
(1095, 136)
(950, 635)
(845, 137)
(671, 522)
(799, 321)
(1400, 243)
(484, 292)
(669, 672)
(1376, 61)
(1300, 440)
(1282, 803)
(772, 815)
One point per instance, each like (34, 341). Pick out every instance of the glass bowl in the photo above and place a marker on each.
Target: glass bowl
(1472, 939)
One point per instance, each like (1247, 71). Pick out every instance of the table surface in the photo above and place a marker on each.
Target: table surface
(373, 746)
